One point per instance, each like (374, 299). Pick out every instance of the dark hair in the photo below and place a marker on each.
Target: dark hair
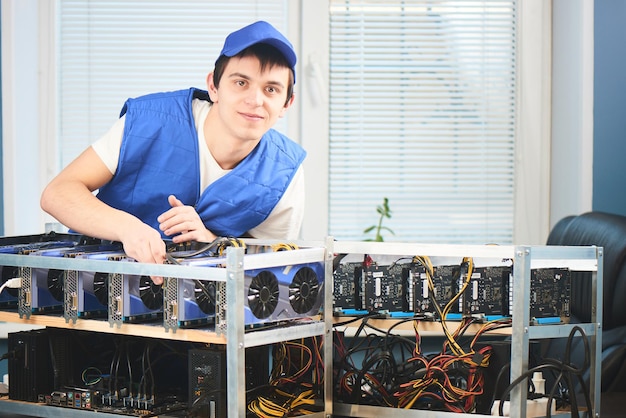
(267, 55)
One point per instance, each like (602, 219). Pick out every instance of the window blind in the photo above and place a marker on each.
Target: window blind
(112, 50)
(422, 112)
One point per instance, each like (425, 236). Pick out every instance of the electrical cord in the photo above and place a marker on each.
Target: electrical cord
(214, 248)
(565, 372)
(373, 369)
(294, 382)
(15, 353)
(384, 364)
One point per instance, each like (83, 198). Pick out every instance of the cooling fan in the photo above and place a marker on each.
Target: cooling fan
(195, 302)
(303, 290)
(9, 297)
(56, 284)
(190, 302)
(283, 293)
(46, 285)
(93, 294)
(263, 294)
(92, 288)
(101, 288)
(142, 299)
(204, 293)
(126, 297)
(151, 294)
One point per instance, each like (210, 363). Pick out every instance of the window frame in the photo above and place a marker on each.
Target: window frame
(533, 130)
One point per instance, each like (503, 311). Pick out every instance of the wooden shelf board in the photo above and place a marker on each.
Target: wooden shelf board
(154, 330)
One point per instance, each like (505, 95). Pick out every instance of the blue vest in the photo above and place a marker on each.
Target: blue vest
(159, 156)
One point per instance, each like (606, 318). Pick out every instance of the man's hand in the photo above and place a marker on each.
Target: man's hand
(183, 223)
(145, 245)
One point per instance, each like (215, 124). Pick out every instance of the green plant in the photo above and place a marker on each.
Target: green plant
(385, 212)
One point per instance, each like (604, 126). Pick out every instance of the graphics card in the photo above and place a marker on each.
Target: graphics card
(272, 294)
(432, 295)
(133, 298)
(9, 297)
(87, 292)
(487, 294)
(44, 289)
(344, 291)
(382, 288)
(187, 302)
(550, 295)
(191, 302)
(283, 293)
(197, 299)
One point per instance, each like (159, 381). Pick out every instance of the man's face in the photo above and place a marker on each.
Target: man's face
(249, 101)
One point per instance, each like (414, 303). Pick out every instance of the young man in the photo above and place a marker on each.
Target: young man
(192, 165)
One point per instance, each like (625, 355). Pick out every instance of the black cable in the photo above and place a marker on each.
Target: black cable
(380, 370)
(56, 371)
(130, 374)
(212, 248)
(355, 319)
(337, 261)
(566, 371)
(15, 353)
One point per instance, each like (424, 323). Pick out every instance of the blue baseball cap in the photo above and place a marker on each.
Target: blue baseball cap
(260, 32)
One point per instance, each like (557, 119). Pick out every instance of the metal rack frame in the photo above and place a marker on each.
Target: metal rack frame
(526, 258)
(229, 329)
(588, 259)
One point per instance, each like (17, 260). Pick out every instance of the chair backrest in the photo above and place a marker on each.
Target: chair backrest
(604, 230)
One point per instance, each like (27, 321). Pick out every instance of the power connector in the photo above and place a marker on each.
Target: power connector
(14, 283)
(534, 408)
(539, 382)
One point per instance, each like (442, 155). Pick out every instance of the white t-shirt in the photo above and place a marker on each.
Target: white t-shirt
(283, 222)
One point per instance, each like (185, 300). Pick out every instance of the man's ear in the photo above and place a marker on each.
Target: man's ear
(287, 105)
(211, 87)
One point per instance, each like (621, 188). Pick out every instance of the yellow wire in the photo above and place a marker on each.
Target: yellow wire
(284, 247)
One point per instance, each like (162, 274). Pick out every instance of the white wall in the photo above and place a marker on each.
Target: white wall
(314, 116)
(532, 145)
(21, 121)
(572, 109)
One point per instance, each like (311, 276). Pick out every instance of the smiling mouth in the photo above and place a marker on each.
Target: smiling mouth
(252, 117)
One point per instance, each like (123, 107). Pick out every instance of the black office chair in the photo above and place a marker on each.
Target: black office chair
(608, 231)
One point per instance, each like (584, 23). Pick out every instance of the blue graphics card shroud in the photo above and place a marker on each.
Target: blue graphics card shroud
(47, 286)
(92, 288)
(123, 298)
(272, 294)
(9, 297)
(283, 293)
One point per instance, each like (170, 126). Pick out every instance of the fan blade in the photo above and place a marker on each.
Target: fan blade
(263, 294)
(151, 294)
(204, 292)
(56, 283)
(101, 287)
(303, 290)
